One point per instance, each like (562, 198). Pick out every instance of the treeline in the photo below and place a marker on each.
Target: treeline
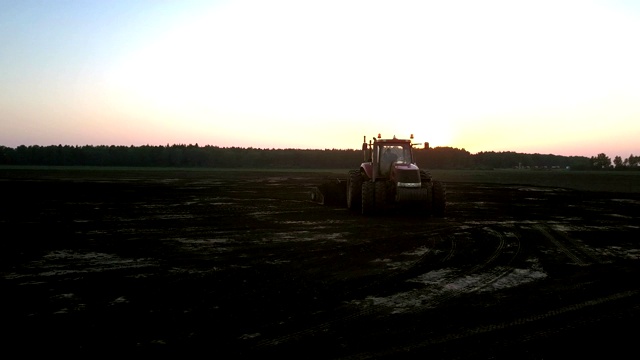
(181, 155)
(602, 161)
(176, 156)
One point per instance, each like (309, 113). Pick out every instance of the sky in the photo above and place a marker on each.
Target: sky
(552, 77)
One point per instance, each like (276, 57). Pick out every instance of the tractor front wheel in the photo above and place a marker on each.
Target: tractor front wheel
(425, 177)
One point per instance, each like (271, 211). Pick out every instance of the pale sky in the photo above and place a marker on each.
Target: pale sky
(553, 77)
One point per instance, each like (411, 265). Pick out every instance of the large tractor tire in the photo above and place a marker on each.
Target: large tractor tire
(368, 198)
(425, 178)
(354, 189)
(439, 199)
(381, 195)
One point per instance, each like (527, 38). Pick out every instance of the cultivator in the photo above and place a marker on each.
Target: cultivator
(331, 193)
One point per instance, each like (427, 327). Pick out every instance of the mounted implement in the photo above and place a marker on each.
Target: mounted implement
(388, 178)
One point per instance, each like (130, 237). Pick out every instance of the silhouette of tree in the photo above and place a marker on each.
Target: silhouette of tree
(602, 161)
(617, 161)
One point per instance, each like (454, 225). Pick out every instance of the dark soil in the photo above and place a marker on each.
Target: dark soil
(243, 264)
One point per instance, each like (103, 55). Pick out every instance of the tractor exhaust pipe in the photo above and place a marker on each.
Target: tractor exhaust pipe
(365, 151)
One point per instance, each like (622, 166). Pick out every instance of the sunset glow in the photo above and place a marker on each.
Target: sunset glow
(558, 77)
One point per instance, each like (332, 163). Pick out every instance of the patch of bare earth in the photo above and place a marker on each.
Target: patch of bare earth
(245, 265)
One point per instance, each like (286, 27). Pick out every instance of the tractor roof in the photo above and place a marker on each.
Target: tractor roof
(394, 141)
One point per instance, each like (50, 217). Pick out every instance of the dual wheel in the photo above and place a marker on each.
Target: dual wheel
(354, 189)
(364, 195)
(369, 196)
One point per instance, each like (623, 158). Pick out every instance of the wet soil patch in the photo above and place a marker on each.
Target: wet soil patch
(243, 264)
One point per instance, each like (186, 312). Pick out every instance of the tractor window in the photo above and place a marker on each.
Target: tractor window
(405, 155)
(392, 154)
(395, 153)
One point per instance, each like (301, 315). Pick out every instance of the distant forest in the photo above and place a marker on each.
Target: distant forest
(208, 156)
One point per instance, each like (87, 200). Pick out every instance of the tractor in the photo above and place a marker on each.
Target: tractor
(388, 178)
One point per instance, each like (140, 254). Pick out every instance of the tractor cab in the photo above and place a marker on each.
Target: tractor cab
(392, 154)
(384, 156)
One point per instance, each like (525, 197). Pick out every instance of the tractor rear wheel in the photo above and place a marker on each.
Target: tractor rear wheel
(354, 189)
(439, 199)
(381, 194)
(368, 198)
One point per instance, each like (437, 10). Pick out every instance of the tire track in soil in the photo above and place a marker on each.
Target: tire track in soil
(576, 252)
(448, 287)
(417, 266)
(392, 277)
(521, 321)
(582, 248)
(507, 249)
(573, 250)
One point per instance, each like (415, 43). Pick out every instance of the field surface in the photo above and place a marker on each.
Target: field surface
(241, 264)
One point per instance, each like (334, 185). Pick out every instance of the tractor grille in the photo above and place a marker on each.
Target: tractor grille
(408, 178)
(419, 195)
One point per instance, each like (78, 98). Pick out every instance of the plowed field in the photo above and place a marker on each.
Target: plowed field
(243, 265)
